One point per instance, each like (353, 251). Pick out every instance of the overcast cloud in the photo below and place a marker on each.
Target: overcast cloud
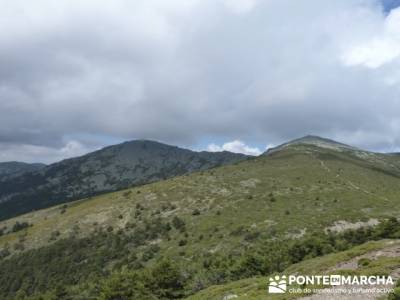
(78, 75)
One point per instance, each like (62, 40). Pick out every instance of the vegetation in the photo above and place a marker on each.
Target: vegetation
(218, 227)
(112, 168)
(19, 226)
(396, 293)
(108, 265)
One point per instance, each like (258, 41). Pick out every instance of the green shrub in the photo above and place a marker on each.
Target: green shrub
(20, 226)
(166, 280)
(179, 224)
(125, 286)
(363, 262)
(182, 243)
(395, 295)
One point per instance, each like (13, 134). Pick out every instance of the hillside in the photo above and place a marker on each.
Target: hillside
(377, 257)
(208, 218)
(109, 169)
(16, 168)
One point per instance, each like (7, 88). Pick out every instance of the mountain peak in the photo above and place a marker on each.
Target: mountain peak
(314, 141)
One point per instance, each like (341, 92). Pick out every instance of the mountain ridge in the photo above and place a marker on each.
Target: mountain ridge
(108, 169)
(316, 141)
(138, 162)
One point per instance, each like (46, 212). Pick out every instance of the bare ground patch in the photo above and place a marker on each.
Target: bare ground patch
(343, 225)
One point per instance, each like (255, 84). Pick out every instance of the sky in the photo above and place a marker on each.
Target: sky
(237, 75)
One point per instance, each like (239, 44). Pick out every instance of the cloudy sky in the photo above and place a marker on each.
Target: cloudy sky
(76, 75)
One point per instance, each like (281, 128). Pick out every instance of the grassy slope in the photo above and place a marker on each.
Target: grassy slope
(299, 188)
(256, 288)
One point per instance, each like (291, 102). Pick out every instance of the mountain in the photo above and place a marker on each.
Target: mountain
(315, 146)
(15, 168)
(112, 168)
(209, 234)
(315, 141)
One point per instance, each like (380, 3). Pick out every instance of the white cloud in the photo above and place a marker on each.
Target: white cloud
(380, 48)
(189, 71)
(34, 153)
(240, 6)
(269, 146)
(235, 146)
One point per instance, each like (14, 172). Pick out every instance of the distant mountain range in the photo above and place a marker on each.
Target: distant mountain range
(27, 187)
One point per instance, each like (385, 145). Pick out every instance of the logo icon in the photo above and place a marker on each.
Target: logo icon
(277, 285)
(336, 280)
